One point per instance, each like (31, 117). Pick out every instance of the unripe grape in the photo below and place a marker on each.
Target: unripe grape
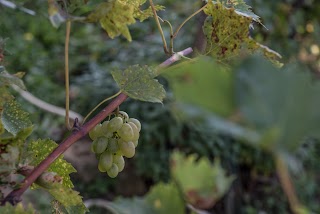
(105, 161)
(119, 161)
(113, 171)
(99, 145)
(124, 115)
(105, 129)
(100, 168)
(135, 143)
(115, 124)
(126, 132)
(96, 132)
(136, 122)
(127, 149)
(113, 146)
(135, 130)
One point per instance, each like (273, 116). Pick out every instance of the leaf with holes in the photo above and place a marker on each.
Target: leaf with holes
(138, 83)
(227, 34)
(40, 149)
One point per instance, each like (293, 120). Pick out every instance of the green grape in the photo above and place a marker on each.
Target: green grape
(119, 161)
(96, 132)
(113, 171)
(115, 124)
(136, 122)
(124, 115)
(105, 129)
(105, 161)
(135, 130)
(100, 168)
(113, 146)
(126, 132)
(127, 149)
(135, 143)
(99, 145)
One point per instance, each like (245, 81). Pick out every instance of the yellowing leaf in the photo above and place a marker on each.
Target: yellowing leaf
(116, 15)
(227, 33)
(40, 149)
(138, 83)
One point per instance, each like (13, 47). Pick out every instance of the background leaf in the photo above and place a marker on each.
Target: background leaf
(132, 205)
(202, 184)
(205, 83)
(138, 83)
(282, 103)
(165, 198)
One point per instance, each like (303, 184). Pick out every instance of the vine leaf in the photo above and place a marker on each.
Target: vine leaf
(202, 184)
(164, 198)
(14, 119)
(283, 104)
(69, 199)
(40, 149)
(116, 15)
(240, 7)
(17, 209)
(227, 34)
(138, 83)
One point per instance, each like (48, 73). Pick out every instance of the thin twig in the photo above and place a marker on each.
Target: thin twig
(156, 18)
(185, 21)
(97, 106)
(66, 71)
(14, 196)
(46, 106)
(287, 186)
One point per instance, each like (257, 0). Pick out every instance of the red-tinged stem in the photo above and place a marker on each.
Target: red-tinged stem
(14, 196)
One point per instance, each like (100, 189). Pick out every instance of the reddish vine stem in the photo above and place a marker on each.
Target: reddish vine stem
(14, 196)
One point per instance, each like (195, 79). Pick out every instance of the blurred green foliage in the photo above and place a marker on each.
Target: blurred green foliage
(35, 47)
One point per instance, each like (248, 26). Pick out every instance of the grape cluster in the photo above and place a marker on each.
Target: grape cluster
(113, 140)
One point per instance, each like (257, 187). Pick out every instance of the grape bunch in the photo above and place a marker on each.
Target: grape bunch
(113, 140)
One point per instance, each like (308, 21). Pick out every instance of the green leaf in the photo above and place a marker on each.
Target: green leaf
(132, 205)
(164, 198)
(202, 184)
(138, 83)
(205, 83)
(5, 97)
(227, 33)
(14, 119)
(70, 199)
(18, 209)
(283, 104)
(40, 149)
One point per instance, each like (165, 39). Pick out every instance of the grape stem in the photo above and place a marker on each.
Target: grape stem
(14, 196)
